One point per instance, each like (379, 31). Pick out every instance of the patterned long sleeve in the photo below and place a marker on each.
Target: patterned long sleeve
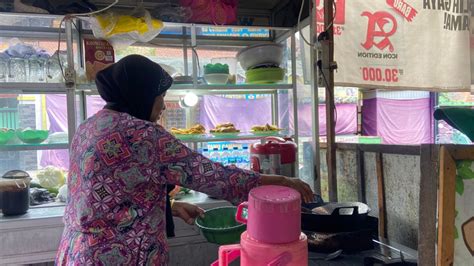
(119, 168)
(185, 167)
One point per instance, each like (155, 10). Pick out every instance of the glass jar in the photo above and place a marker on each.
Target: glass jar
(53, 68)
(36, 71)
(3, 68)
(17, 70)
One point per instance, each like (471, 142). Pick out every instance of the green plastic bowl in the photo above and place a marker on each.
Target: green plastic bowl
(220, 227)
(6, 136)
(264, 75)
(32, 136)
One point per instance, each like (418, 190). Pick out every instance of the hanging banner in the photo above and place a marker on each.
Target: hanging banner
(401, 44)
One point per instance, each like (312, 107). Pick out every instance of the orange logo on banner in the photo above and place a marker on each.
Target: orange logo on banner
(339, 11)
(376, 34)
(403, 8)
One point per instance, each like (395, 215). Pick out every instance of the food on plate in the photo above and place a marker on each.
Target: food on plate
(225, 128)
(196, 129)
(266, 127)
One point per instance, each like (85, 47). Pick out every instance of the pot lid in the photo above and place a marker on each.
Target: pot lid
(15, 174)
(14, 180)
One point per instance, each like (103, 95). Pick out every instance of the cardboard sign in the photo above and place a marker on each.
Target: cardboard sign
(98, 55)
(402, 44)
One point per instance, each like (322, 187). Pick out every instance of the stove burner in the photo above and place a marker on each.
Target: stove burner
(353, 241)
(347, 241)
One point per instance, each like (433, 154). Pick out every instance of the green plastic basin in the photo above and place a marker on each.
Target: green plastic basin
(32, 136)
(220, 227)
(6, 135)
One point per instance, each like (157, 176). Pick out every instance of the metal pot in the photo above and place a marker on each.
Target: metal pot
(15, 192)
(334, 216)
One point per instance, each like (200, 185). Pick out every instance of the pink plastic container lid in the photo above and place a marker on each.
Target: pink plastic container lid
(274, 214)
(276, 199)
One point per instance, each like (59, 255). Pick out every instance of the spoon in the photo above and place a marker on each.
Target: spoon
(327, 257)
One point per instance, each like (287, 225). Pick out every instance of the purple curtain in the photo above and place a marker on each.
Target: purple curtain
(398, 121)
(346, 119)
(56, 109)
(246, 113)
(241, 112)
(214, 110)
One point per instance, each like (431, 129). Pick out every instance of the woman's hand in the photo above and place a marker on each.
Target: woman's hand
(295, 183)
(186, 211)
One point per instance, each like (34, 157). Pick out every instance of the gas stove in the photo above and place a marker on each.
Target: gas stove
(383, 252)
(352, 241)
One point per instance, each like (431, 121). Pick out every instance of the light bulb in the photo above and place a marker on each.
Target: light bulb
(190, 99)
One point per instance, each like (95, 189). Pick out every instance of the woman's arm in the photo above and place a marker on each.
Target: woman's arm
(295, 183)
(182, 166)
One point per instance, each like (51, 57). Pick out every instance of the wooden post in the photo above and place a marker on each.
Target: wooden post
(361, 195)
(446, 210)
(327, 62)
(427, 205)
(381, 196)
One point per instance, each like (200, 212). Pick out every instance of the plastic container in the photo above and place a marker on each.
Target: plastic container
(260, 54)
(264, 75)
(6, 135)
(32, 136)
(220, 227)
(274, 214)
(256, 253)
(216, 78)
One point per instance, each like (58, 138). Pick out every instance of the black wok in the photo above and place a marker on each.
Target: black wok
(334, 217)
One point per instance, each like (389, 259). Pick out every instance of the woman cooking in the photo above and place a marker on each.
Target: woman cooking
(120, 164)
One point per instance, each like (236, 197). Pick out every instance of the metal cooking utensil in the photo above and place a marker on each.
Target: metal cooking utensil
(326, 257)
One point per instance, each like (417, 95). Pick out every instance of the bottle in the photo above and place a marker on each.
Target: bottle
(205, 152)
(215, 155)
(225, 156)
(235, 156)
(245, 158)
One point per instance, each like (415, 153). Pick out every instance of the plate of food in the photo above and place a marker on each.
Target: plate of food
(225, 130)
(265, 130)
(195, 131)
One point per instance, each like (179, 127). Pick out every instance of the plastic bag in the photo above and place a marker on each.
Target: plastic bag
(171, 12)
(122, 29)
(219, 12)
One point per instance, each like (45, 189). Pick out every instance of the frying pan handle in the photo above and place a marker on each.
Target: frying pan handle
(240, 210)
(227, 254)
(337, 211)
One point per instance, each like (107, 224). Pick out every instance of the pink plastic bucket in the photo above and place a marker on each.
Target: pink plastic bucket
(255, 253)
(274, 214)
